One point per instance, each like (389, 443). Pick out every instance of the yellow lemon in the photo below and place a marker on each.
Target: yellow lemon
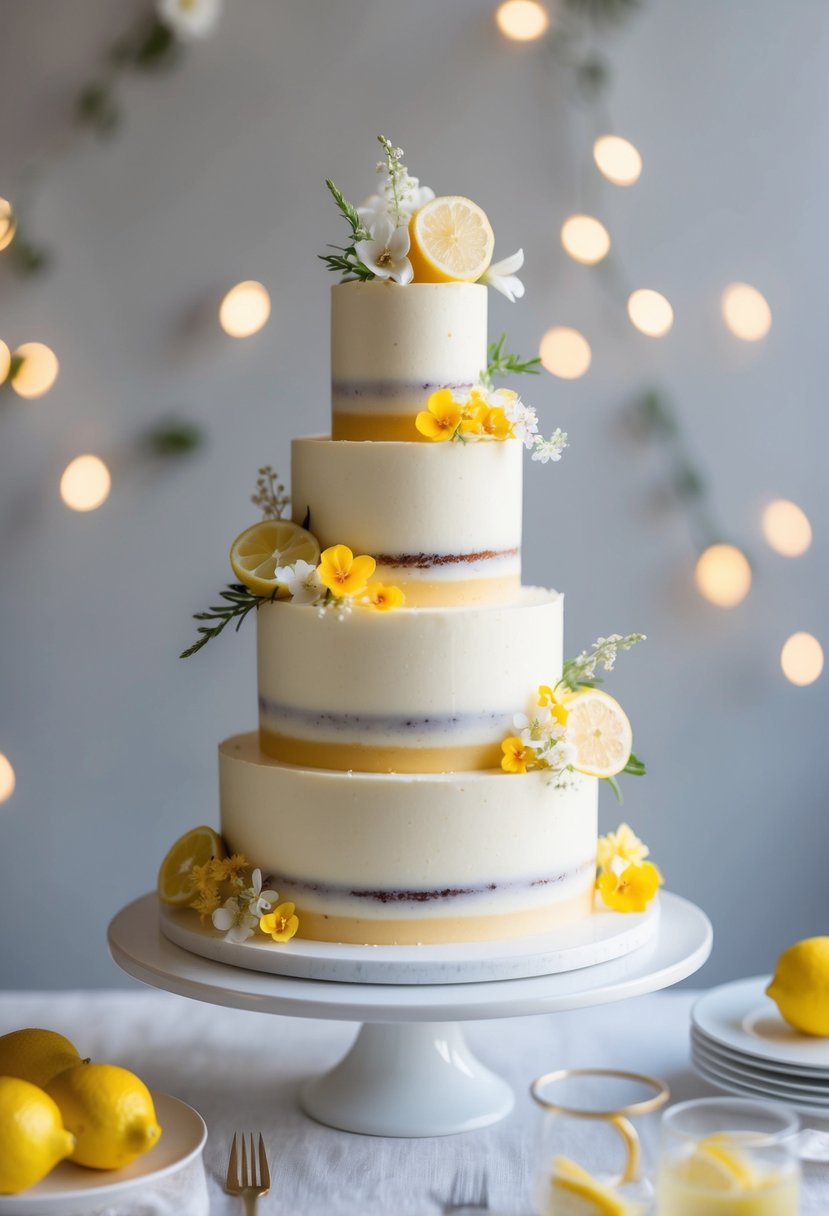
(36, 1055)
(256, 552)
(451, 241)
(109, 1111)
(32, 1135)
(599, 729)
(578, 1193)
(194, 848)
(800, 986)
(714, 1165)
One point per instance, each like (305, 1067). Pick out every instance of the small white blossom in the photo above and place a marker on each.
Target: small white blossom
(524, 421)
(258, 901)
(561, 755)
(549, 449)
(235, 920)
(501, 275)
(302, 580)
(384, 253)
(189, 19)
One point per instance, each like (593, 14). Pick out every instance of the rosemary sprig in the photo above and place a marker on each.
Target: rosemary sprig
(501, 363)
(240, 601)
(345, 260)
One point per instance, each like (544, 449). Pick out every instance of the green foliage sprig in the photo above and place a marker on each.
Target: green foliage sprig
(502, 363)
(345, 260)
(240, 601)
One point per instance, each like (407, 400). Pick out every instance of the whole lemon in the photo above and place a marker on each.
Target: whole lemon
(109, 1111)
(36, 1055)
(32, 1135)
(800, 986)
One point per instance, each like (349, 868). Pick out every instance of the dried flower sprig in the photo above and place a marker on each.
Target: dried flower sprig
(271, 497)
(580, 672)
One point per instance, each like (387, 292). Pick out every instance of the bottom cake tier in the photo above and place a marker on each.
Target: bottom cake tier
(403, 858)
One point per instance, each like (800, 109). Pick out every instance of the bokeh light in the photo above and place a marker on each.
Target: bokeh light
(786, 528)
(522, 20)
(37, 371)
(650, 312)
(617, 159)
(245, 309)
(5, 361)
(565, 352)
(85, 483)
(723, 575)
(7, 778)
(802, 659)
(8, 224)
(746, 312)
(585, 238)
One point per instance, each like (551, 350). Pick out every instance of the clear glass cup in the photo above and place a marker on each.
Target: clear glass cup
(728, 1157)
(590, 1157)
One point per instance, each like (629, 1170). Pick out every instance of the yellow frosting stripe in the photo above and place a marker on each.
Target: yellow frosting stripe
(448, 593)
(307, 753)
(386, 427)
(382, 931)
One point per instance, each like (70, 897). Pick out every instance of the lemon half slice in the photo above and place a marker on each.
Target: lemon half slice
(599, 729)
(256, 552)
(715, 1165)
(451, 241)
(578, 1193)
(194, 848)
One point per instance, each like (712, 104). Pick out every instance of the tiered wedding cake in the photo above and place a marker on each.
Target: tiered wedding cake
(426, 767)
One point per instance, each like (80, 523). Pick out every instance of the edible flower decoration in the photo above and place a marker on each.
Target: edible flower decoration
(281, 924)
(573, 726)
(486, 414)
(343, 573)
(626, 882)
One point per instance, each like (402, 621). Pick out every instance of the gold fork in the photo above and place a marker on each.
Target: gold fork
(247, 1172)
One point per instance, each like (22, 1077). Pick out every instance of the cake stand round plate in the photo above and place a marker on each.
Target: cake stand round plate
(599, 938)
(409, 1072)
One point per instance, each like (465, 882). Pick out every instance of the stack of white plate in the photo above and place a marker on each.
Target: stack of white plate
(740, 1043)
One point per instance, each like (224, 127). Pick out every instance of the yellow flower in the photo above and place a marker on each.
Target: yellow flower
(234, 868)
(547, 699)
(381, 597)
(206, 902)
(343, 573)
(281, 924)
(632, 890)
(623, 844)
(202, 878)
(483, 419)
(442, 418)
(517, 758)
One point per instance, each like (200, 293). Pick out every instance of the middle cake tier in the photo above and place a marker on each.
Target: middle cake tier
(417, 690)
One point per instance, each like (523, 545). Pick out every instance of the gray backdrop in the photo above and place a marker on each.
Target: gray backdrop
(216, 176)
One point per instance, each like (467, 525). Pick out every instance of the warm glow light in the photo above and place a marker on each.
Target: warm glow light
(565, 352)
(585, 238)
(802, 659)
(7, 778)
(617, 159)
(522, 20)
(5, 361)
(746, 312)
(38, 369)
(650, 312)
(8, 224)
(245, 309)
(85, 483)
(786, 528)
(723, 575)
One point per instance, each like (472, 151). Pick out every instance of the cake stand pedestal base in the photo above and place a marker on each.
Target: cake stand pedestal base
(409, 1079)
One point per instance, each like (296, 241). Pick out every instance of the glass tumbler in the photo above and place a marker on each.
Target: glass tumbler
(728, 1157)
(590, 1157)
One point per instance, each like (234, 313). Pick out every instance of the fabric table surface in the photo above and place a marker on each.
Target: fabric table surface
(243, 1071)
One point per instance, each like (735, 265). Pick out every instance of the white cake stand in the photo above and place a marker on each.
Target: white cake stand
(409, 1071)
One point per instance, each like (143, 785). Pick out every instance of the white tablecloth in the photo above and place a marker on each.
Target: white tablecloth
(243, 1071)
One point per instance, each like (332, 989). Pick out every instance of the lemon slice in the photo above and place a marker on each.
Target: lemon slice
(451, 241)
(599, 730)
(714, 1166)
(578, 1193)
(194, 848)
(256, 552)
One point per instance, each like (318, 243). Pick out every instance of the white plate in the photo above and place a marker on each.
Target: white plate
(741, 1017)
(745, 1090)
(69, 1187)
(599, 938)
(784, 1089)
(777, 1074)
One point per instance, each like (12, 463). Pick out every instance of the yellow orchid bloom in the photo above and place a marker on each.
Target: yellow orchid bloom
(442, 418)
(281, 924)
(343, 573)
(632, 890)
(517, 757)
(383, 598)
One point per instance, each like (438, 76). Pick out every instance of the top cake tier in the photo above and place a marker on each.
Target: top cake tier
(392, 346)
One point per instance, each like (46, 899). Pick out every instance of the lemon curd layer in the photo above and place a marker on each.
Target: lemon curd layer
(443, 520)
(391, 346)
(374, 857)
(415, 680)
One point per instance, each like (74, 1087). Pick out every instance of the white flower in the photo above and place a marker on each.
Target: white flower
(189, 19)
(258, 901)
(524, 420)
(501, 275)
(561, 754)
(302, 580)
(413, 196)
(549, 449)
(235, 920)
(372, 209)
(385, 252)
